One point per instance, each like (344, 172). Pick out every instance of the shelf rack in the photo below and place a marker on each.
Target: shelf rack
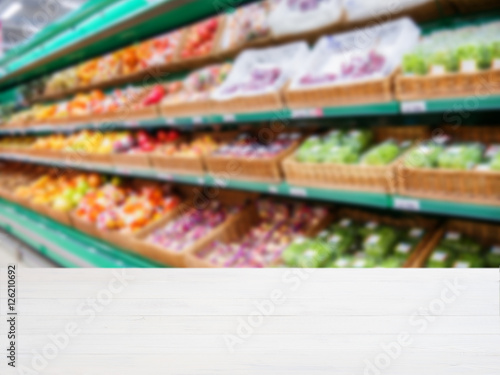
(64, 245)
(449, 107)
(367, 199)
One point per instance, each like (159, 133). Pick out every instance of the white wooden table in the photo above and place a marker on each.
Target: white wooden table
(276, 322)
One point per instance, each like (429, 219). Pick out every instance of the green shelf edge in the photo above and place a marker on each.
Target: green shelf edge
(361, 198)
(449, 106)
(70, 242)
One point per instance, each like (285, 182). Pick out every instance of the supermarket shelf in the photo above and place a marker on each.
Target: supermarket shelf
(369, 199)
(64, 245)
(117, 25)
(447, 106)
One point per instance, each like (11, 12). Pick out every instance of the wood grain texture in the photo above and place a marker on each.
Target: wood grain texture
(324, 322)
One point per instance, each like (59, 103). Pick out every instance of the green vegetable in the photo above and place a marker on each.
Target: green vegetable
(403, 250)
(293, 252)
(493, 256)
(342, 262)
(340, 155)
(307, 253)
(468, 261)
(358, 139)
(380, 243)
(423, 156)
(459, 243)
(381, 154)
(461, 157)
(440, 258)
(391, 262)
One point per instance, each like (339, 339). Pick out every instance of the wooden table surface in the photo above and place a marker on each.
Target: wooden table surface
(276, 322)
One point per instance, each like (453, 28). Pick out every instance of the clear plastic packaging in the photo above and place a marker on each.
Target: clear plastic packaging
(260, 71)
(356, 56)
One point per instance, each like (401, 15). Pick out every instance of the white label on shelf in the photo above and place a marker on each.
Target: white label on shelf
(437, 70)
(273, 189)
(407, 204)
(439, 256)
(468, 66)
(307, 112)
(453, 236)
(298, 192)
(165, 176)
(169, 121)
(228, 118)
(413, 107)
(132, 124)
(197, 120)
(123, 170)
(495, 64)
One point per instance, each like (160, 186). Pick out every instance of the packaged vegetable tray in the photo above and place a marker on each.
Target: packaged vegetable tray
(347, 164)
(455, 172)
(355, 67)
(257, 78)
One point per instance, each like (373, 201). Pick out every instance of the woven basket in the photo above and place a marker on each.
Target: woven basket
(212, 56)
(402, 222)
(188, 108)
(354, 176)
(481, 83)
(486, 234)
(84, 226)
(371, 91)
(261, 103)
(234, 231)
(266, 170)
(139, 160)
(474, 186)
(59, 216)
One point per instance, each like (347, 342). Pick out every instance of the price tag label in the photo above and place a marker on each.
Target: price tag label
(201, 180)
(307, 113)
(165, 176)
(414, 107)
(197, 120)
(468, 66)
(495, 64)
(273, 189)
(298, 192)
(437, 70)
(228, 118)
(132, 124)
(407, 204)
(169, 121)
(123, 171)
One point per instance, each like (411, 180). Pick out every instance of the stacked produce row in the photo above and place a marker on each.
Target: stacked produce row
(258, 24)
(336, 71)
(461, 165)
(185, 226)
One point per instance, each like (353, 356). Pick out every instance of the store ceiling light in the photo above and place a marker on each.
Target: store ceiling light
(11, 10)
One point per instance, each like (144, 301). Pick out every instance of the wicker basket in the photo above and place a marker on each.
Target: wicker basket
(480, 83)
(266, 170)
(474, 186)
(354, 176)
(59, 216)
(486, 234)
(262, 103)
(403, 222)
(212, 56)
(187, 108)
(193, 164)
(234, 231)
(370, 91)
(177, 258)
(139, 160)
(84, 225)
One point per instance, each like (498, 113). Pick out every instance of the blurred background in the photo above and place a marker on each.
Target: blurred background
(276, 133)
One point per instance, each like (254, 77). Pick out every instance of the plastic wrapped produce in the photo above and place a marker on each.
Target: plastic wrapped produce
(257, 72)
(424, 155)
(300, 16)
(357, 55)
(460, 156)
(246, 24)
